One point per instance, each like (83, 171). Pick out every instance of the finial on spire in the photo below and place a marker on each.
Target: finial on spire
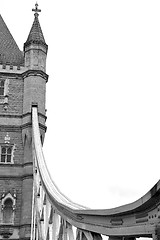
(36, 10)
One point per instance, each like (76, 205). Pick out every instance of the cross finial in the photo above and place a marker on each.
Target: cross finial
(36, 10)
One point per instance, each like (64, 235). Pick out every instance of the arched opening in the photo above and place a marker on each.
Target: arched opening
(8, 211)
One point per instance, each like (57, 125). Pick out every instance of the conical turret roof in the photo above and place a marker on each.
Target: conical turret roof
(9, 51)
(36, 34)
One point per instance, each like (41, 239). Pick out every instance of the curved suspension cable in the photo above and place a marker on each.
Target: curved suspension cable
(50, 186)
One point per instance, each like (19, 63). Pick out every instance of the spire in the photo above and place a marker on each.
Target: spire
(9, 51)
(35, 48)
(36, 34)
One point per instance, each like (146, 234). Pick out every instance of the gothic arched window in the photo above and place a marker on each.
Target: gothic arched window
(6, 154)
(8, 211)
(1, 87)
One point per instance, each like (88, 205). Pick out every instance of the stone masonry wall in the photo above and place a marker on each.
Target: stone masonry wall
(15, 177)
(15, 95)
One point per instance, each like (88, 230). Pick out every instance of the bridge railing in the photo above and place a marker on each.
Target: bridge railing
(55, 217)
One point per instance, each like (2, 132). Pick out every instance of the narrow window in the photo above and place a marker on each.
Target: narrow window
(6, 154)
(2, 88)
(8, 211)
(41, 140)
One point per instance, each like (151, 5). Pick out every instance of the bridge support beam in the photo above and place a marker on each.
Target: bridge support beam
(115, 238)
(129, 238)
(121, 238)
(85, 235)
(96, 236)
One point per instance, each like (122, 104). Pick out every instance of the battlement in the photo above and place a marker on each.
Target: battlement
(5, 68)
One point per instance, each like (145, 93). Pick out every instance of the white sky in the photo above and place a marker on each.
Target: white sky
(102, 145)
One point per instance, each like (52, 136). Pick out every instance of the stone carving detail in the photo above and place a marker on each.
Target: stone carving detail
(7, 138)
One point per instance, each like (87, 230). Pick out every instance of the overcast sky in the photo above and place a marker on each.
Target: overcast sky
(102, 145)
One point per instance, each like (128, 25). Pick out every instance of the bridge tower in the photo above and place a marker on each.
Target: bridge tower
(22, 84)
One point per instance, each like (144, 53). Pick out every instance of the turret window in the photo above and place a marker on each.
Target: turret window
(6, 154)
(2, 88)
(4, 92)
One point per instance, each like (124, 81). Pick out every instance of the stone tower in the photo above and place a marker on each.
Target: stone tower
(22, 84)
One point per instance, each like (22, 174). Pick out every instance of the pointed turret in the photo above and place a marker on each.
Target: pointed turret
(36, 34)
(35, 48)
(35, 77)
(9, 51)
